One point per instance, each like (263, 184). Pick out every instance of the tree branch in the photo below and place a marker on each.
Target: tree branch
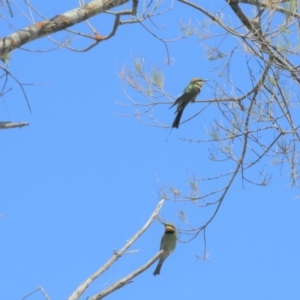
(56, 24)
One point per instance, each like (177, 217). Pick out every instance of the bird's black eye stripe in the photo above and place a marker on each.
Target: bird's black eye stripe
(169, 230)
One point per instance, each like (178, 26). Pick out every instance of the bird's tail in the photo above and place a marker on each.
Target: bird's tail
(157, 269)
(177, 119)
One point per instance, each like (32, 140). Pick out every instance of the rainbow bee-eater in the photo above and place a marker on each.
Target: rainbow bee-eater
(189, 94)
(168, 244)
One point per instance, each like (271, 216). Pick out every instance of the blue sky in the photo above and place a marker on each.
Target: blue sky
(81, 179)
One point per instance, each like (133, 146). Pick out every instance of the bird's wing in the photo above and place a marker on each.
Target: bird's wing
(161, 242)
(184, 100)
(178, 100)
(174, 103)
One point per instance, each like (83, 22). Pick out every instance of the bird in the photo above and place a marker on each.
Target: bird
(168, 244)
(188, 95)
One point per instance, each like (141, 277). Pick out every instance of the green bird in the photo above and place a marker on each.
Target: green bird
(189, 94)
(168, 244)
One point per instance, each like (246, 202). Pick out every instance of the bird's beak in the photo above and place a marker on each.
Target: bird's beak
(205, 79)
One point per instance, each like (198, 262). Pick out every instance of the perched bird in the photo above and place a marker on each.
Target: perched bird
(189, 94)
(168, 243)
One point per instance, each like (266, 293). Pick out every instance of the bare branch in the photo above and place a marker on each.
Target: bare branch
(127, 279)
(57, 23)
(38, 289)
(9, 125)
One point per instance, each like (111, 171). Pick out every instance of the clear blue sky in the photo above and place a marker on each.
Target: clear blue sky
(81, 180)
